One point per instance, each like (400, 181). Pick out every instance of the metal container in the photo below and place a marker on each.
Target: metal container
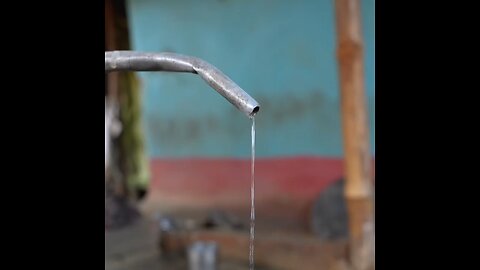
(203, 256)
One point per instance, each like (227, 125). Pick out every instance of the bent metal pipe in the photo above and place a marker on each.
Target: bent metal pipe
(171, 62)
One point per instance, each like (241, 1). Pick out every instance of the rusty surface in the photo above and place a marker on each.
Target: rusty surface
(353, 100)
(358, 189)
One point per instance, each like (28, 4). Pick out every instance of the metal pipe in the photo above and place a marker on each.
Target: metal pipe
(142, 61)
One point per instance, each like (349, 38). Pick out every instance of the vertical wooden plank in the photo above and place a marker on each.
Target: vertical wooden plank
(113, 84)
(111, 44)
(358, 189)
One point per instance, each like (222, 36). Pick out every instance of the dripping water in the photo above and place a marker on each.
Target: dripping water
(252, 199)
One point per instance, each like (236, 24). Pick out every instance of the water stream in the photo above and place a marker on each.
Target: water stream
(252, 200)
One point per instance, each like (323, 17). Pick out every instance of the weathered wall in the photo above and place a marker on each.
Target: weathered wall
(284, 54)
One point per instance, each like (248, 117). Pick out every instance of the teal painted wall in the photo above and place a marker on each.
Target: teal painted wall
(282, 52)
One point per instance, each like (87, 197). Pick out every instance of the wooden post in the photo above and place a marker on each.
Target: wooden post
(112, 89)
(124, 91)
(358, 188)
(111, 44)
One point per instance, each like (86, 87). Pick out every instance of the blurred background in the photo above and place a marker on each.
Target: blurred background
(179, 170)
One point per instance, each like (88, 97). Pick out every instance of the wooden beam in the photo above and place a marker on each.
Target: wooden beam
(272, 250)
(358, 188)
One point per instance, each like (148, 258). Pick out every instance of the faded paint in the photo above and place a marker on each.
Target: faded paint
(287, 186)
(283, 53)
